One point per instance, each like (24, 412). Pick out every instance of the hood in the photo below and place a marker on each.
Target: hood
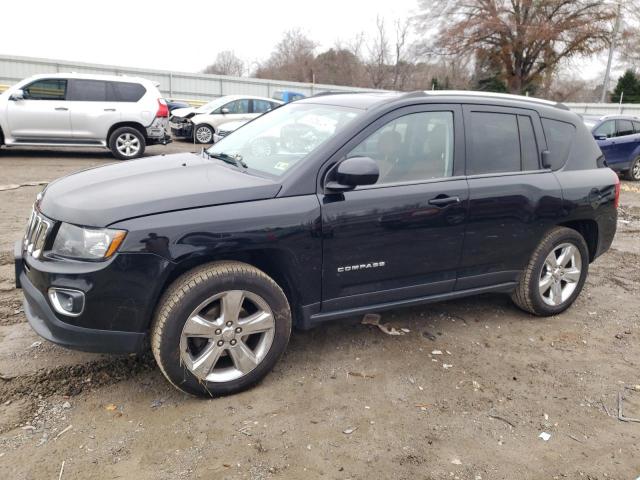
(101, 196)
(182, 112)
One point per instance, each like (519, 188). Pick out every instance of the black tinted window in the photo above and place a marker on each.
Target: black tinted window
(528, 144)
(625, 127)
(88, 91)
(126, 92)
(559, 137)
(49, 89)
(495, 143)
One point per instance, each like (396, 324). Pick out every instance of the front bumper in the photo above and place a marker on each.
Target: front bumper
(184, 130)
(118, 310)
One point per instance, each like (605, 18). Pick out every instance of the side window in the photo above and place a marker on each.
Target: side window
(494, 143)
(528, 144)
(606, 129)
(559, 137)
(625, 127)
(418, 146)
(48, 89)
(636, 126)
(261, 106)
(87, 91)
(125, 92)
(238, 106)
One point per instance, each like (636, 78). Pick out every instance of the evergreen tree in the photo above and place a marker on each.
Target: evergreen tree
(629, 87)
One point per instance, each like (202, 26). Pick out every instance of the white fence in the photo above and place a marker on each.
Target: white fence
(177, 85)
(605, 108)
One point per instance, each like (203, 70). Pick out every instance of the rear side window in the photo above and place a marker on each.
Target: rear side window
(46, 89)
(636, 126)
(625, 127)
(501, 142)
(559, 137)
(126, 92)
(261, 106)
(88, 91)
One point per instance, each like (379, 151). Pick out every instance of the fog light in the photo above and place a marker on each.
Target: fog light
(66, 301)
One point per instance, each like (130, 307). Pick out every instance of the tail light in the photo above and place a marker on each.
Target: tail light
(163, 110)
(616, 202)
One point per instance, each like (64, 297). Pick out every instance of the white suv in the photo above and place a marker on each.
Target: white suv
(123, 114)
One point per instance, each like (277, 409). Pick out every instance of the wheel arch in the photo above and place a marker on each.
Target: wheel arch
(277, 264)
(136, 125)
(588, 229)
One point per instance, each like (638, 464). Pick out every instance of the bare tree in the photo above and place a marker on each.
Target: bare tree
(526, 38)
(377, 61)
(226, 63)
(292, 59)
(402, 66)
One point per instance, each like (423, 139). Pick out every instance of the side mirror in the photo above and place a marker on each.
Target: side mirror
(224, 111)
(17, 95)
(546, 159)
(600, 137)
(351, 173)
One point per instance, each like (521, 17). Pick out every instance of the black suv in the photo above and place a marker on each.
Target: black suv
(327, 207)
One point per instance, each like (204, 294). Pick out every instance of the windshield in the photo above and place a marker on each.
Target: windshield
(212, 105)
(277, 140)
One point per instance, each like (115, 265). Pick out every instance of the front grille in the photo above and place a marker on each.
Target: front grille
(38, 230)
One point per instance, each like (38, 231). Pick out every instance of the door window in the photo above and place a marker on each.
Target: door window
(47, 89)
(636, 126)
(238, 106)
(418, 146)
(88, 91)
(261, 106)
(606, 129)
(625, 127)
(501, 142)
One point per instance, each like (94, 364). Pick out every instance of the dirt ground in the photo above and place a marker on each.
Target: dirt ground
(347, 400)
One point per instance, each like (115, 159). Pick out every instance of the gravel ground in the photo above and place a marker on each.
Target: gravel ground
(464, 394)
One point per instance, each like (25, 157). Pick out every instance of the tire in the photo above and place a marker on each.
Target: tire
(203, 134)
(189, 325)
(633, 173)
(127, 143)
(532, 293)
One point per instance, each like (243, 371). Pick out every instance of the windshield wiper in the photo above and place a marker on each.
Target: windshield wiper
(231, 159)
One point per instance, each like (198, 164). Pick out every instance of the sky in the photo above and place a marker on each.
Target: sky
(187, 35)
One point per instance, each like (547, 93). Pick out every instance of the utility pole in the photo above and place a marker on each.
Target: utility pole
(605, 85)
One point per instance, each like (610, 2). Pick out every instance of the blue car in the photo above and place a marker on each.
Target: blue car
(618, 136)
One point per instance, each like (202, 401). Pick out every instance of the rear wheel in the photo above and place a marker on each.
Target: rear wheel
(126, 143)
(555, 274)
(634, 170)
(203, 134)
(220, 329)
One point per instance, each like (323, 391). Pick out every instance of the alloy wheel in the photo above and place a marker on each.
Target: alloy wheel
(128, 144)
(227, 336)
(560, 274)
(204, 135)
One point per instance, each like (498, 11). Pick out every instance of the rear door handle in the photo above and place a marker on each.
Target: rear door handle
(62, 109)
(443, 201)
(109, 109)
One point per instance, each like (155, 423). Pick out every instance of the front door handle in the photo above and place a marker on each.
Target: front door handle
(62, 109)
(109, 109)
(443, 201)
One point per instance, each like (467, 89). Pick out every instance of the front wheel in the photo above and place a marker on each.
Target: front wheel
(634, 170)
(126, 143)
(555, 274)
(203, 134)
(220, 329)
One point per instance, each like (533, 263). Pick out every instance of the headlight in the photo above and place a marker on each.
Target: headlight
(87, 243)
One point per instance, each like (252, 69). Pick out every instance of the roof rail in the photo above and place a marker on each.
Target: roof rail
(505, 96)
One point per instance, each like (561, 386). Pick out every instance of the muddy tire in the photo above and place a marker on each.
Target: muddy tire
(220, 328)
(555, 275)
